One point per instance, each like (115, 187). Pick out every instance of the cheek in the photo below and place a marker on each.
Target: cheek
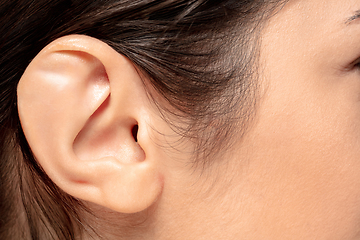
(305, 161)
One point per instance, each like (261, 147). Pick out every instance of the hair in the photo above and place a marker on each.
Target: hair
(199, 55)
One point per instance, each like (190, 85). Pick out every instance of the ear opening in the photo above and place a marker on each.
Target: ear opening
(134, 131)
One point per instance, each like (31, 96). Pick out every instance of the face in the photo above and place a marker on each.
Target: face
(305, 148)
(296, 174)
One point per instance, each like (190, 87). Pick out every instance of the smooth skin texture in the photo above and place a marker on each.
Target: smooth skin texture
(295, 175)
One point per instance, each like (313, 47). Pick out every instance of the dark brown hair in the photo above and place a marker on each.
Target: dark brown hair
(199, 55)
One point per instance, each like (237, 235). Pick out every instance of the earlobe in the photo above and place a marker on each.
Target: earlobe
(80, 105)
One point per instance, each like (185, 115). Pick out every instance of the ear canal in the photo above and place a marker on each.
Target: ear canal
(81, 106)
(106, 134)
(134, 132)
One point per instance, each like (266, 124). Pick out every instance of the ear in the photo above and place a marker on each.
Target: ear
(84, 111)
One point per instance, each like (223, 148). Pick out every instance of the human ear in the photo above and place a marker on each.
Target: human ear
(84, 112)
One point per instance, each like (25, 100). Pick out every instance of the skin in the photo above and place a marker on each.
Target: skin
(296, 174)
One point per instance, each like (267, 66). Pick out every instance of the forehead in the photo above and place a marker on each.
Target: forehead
(322, 31)
(333, 12)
